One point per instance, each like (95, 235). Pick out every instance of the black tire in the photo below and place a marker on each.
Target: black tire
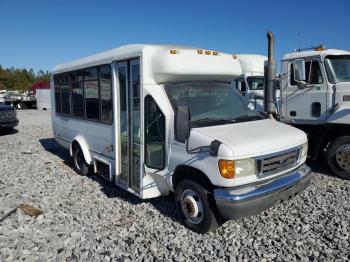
(22, 106)
(80, 165)
(209, 218)
(331, 156)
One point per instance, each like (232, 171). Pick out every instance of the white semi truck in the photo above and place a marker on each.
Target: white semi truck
(315, 97)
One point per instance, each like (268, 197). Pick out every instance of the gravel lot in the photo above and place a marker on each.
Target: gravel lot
(86, 218)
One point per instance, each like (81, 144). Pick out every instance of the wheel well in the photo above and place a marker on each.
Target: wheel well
(187, 172)
(321, 140)
(81, 143)
(74, 144)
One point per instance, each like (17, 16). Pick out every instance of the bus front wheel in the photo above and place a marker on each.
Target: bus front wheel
(192, 201)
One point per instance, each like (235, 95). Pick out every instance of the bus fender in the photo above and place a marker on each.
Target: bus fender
(84, 146)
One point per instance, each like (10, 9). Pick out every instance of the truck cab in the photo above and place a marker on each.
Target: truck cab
(251, 82)
(315, 96)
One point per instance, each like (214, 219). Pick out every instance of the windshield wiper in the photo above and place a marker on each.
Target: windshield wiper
(211, 121)
(246, 117)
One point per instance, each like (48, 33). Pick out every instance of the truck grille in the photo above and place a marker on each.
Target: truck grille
(277, 163)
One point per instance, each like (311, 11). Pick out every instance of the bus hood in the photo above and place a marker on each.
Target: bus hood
(249, 139)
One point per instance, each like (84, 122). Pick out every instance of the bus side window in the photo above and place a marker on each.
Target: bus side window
(154, 135)
(105, 79)
(77, 94)
(65, 94)
(91, 94)
(57, 94)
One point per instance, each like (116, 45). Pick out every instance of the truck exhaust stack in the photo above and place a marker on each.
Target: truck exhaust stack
(270, 75)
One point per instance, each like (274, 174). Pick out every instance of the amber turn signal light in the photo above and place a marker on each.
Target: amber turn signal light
(227, 168)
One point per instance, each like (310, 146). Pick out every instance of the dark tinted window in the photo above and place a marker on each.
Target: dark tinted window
(77, 99)
(90, 73)
(65, 99)
(106, 94)
(154, 135)
(57, 94)
(92, 108)
(135, 79)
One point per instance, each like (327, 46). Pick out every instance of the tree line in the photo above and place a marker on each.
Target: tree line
(21, 78)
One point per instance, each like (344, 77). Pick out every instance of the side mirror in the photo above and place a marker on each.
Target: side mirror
(182, 123)
(277, 83)
(299, 70)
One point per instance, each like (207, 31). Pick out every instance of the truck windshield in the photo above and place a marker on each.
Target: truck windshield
(338, 68)
(212, 103)
(255, 82)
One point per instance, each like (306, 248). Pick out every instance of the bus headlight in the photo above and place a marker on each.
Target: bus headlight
(245, 167)
(237, 168)
(303, 153)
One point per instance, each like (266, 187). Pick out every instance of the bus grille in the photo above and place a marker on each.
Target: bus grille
(278, 163)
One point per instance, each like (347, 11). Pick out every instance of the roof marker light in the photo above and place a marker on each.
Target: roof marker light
(215, 53)
(200, 51)
(234, 56)
(174, 51)
(207, 52)
(320, 48)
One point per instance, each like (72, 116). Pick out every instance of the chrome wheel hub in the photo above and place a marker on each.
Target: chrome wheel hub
(342, 156)
(192, 206)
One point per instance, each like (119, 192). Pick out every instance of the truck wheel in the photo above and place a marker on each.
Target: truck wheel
(22, 106)
(80, 165)
(196, 208)
(338, 157)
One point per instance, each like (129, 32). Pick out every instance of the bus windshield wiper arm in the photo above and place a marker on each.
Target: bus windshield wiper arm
(209, 120)
(247, 117)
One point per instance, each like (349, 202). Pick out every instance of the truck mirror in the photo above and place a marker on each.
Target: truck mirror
(299, 70)
(182, 123)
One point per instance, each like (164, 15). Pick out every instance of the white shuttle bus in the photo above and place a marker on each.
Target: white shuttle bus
(157, 119)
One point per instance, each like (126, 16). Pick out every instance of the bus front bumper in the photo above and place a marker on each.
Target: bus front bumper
(252, 199)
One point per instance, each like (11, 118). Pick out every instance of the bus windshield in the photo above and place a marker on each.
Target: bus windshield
(212, 103)
(255, 82)
(338, 68)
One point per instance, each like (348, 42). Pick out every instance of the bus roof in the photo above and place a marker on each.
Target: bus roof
(166, 63)
(119, 53)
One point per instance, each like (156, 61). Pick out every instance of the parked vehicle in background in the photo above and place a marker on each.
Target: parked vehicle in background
(157, 119)
(2, 96)
(20, 99)
(251, 82)
(8, 117)
(315, 97)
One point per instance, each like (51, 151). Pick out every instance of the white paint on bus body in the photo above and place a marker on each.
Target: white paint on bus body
(158, 66)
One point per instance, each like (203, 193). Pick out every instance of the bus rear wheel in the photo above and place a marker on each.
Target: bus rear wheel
(80, 165)
(338, 157)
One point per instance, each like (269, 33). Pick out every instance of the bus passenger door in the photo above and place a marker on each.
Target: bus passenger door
(128, 83)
